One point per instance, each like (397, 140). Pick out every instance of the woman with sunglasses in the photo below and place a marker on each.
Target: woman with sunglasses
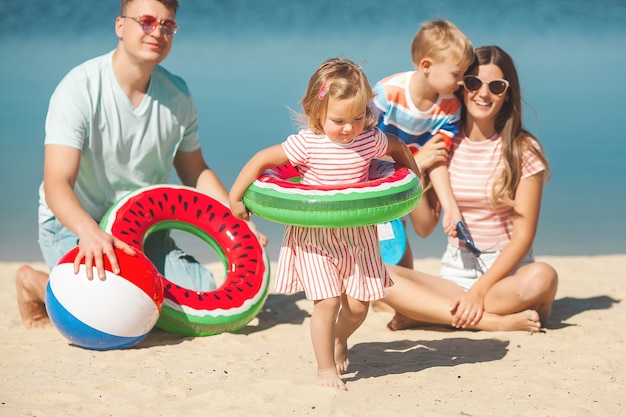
(489, 279)
(116, 123)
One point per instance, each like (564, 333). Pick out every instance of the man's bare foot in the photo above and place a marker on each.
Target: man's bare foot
(400, 322)
(29, 297)
(341, 356)
(330, 378)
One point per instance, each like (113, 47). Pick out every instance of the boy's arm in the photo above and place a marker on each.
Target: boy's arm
(440, 179)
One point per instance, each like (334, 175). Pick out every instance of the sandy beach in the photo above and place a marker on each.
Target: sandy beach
(576, 367)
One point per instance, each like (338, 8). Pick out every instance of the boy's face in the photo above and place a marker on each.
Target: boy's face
(445, 77)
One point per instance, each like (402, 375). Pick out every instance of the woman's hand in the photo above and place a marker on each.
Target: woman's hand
(467, 309)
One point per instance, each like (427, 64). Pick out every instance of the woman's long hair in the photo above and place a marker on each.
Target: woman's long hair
(515, 138)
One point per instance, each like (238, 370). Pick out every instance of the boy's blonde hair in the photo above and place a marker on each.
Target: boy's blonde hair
(340, 79)
(442, 41)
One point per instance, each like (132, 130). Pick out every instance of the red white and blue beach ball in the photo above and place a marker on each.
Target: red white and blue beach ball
(113, 313)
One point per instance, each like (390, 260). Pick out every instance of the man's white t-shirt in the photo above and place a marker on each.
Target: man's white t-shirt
(122, 147)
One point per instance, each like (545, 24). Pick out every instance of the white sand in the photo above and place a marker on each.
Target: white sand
(577, 367)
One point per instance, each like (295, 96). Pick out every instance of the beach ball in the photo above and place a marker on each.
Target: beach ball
(113, 313)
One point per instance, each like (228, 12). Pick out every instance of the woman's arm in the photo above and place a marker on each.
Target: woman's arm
(525, 220)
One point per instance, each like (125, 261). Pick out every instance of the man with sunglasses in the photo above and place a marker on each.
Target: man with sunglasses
(116, 123)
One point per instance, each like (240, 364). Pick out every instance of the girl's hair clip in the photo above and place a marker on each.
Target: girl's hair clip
(323, 91)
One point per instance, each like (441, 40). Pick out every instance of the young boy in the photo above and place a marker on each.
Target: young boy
(419, 105)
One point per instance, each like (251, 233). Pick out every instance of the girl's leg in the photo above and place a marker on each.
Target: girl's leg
(352, 314)
(323, 322)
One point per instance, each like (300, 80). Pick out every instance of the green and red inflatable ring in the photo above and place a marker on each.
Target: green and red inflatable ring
(391, 192)
(190, 312)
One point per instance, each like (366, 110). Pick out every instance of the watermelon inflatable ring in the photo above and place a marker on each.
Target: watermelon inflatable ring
(185, 311)
(391, 192)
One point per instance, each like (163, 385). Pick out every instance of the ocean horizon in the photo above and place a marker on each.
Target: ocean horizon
(247, 63)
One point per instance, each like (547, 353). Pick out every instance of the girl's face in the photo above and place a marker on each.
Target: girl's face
(482, 104)
(344, 120)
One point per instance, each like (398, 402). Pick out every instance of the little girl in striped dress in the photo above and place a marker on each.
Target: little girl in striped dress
(339, 269)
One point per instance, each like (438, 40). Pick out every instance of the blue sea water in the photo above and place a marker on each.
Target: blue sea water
(248, 61)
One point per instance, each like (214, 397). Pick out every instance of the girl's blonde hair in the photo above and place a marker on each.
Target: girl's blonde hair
(340, 79)
(442, 41)
(515, 138)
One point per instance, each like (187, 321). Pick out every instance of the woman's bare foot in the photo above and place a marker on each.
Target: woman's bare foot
(380, 306)
(330, 378)
(400, 322)
(30, 299)
(341, 356)
(527, 320)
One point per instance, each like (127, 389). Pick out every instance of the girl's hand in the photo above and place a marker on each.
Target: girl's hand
(240, 211)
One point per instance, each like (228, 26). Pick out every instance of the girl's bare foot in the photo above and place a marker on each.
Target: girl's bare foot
(31, 306)
(341, 356)
(330, 378)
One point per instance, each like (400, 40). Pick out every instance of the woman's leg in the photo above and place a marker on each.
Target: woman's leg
(532, 287)
(352, 314)
(419, 298)
(323, 322)
(518, 302)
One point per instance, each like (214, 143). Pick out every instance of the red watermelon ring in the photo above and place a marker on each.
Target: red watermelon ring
(391, 192)
(190, 312)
